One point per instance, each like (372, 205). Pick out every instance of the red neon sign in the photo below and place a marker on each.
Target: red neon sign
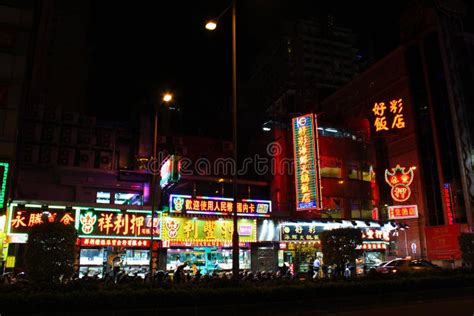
(448, 202)
(400, 181)
(402, 211)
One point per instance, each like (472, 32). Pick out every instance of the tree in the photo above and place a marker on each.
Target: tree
(50, 251)
(466, 243)
(339, 245)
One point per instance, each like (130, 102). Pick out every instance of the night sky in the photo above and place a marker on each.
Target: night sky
(138, 50)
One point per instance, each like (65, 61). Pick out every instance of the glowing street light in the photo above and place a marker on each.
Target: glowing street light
(167, 97)
(211, 25)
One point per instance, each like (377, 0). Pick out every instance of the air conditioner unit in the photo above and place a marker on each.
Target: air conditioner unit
(85, 159)
(66, 156)
(49, 133)
(35, 112)
(68, 135)
(85, 137)
(31, 132)
(70, 117)
(48, 155)
(51, 114)
(88, 121)
(29, 153)
(105, 160)
(104, 138)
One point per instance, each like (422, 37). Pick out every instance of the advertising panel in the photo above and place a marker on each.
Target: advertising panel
(3, 183)
(306, 160)
(402, 211)
(442, 241)
(206, 231)
(218, 206)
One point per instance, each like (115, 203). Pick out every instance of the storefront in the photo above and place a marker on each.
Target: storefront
(206, 243)
(299, 243)
(106, 236)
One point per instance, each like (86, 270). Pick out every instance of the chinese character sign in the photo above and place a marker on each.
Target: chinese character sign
(3, 183)
(21, 219)
(307, 182)
(388, 115)
(300, 232)
(218, 206)
(192, 230)
(400, 181)
(103, 242)
(402, 211)
(105, 223)
(448, 203)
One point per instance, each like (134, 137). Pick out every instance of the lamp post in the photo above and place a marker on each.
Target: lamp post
(212, 25)
(156, 178)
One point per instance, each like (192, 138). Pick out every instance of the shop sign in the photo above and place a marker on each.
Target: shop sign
(22, 218)
(300, 232)
(402, 211)
(116, 224)
(102, 242)
(388, 116)
(371, 234)
(448, 203)
(3, 183)
(196, 230)
(218, 206)
(400, 181)
(372, 246)
(442, 241)
(306, 160)
(170, 171)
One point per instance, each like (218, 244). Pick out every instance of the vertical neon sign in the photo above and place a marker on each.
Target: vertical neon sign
(448, 202)
(306, 159)
(3, 182)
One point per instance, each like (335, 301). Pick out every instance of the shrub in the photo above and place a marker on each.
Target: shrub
(339, 245)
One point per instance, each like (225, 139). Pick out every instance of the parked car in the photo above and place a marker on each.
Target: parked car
(407, 266)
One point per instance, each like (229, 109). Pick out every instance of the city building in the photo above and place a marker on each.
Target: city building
(418, 101)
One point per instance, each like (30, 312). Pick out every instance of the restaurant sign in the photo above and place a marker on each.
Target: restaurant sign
(306, 160)
(116, 224)
(400, 181)
(206, 231)
(104, 242)
(23, 217)
(218, 206)
(300, 232)
(402, 211)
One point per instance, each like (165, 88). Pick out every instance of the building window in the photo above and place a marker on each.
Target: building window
(353, 171)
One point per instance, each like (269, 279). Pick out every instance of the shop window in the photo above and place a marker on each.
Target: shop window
(353, 171)
(367, 172)
(91, 257)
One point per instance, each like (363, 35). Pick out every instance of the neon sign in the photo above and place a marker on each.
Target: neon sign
(3, 178)
(91, 242)
(448, 203)
(402, 211)
(218, 206)
(116, 224)
(306, 159)
(194, 231)
(382, 112)
(21, 219)
(400, 181)
(170, 171)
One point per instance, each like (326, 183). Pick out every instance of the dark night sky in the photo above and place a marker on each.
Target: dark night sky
(153, 46)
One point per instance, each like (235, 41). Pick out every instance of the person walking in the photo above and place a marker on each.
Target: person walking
(316, 267)
(310, 268)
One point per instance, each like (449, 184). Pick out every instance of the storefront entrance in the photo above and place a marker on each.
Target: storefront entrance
(206, 259)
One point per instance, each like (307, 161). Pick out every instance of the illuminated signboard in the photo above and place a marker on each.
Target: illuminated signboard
(402, 211)
(169, 171)
(448, 203)
(371, 234)
(307, 176)
(296, 232)
(218, 206)
(3, 180)
(116, 224)
(22, 218)
(388, 116)
(400, 181)
(102, 242)
(194, 231)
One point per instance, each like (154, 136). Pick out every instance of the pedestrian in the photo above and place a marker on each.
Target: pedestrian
(179, 275)
(310, 268)
(316, 267)
(177, 263)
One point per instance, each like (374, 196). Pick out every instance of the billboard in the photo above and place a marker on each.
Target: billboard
(306, 160)
(442, 241)
(219, 206)
(3, 182)
(402, 211)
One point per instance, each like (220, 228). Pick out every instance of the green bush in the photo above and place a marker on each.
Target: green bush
(49, 255)
(339, 245)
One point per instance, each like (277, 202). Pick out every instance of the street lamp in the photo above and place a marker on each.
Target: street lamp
(212, 25)
(156, 177)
